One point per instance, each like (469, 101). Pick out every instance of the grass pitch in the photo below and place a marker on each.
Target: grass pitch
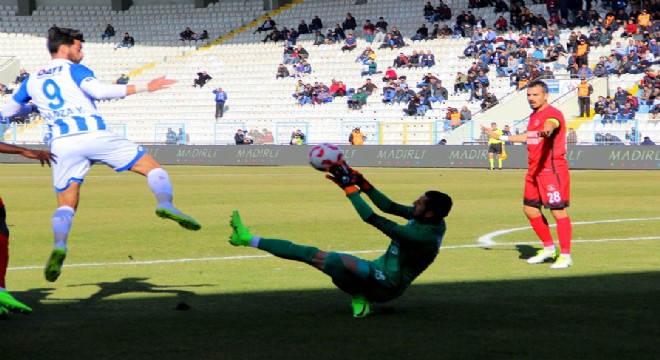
(137, 287)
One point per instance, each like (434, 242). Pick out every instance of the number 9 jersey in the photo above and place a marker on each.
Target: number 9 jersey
(64, 94)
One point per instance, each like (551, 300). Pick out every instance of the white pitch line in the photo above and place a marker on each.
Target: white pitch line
(487, 240)
(249, 257)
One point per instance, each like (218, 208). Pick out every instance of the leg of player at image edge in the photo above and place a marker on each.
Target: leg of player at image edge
(284, 249)
(8, 304)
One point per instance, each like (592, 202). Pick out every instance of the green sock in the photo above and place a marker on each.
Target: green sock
(287, 250)
(492, 162)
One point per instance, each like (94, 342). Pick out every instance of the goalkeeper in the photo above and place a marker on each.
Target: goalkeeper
(413, 247)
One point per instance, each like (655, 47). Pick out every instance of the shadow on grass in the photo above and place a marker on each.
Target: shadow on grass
(526, 251)
(595, 317)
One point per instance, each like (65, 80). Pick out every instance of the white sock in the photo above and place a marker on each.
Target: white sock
(61, 222)
(567, 256)
(550, 248)
(255, 241)
(160, 185)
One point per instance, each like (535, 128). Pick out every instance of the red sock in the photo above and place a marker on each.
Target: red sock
(542, 230)
(4, 258)
(565, 234)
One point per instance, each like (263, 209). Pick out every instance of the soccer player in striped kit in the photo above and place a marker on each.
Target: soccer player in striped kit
(64, 92)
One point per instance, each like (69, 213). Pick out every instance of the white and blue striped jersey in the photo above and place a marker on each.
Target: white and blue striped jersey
(64, 93)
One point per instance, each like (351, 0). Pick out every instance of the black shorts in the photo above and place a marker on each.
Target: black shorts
(495, 148)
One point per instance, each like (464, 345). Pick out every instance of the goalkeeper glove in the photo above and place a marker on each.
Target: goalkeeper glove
(340, 175)
(360, 181)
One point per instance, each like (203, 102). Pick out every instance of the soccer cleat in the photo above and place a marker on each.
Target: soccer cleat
(361, 306)
(3, 313)
(10, 304)
(562, 262)
(54, 265)
(240, 235)
(184, 220)
(542, 256)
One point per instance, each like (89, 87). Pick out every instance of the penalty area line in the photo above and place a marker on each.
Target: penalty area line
(250, 257)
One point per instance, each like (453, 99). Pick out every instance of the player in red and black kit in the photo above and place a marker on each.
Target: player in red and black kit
(8, 303)
(547, 181)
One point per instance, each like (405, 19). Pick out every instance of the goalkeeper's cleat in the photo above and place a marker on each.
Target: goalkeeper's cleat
(54, 265)
(240, 235)
(174, 214)
(562, 262)
(361, 306)
(3, 313)
(542, 256)
(10, 304)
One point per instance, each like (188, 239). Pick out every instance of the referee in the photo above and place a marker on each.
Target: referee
(495, 147)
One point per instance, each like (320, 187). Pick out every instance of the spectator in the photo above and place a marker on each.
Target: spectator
(372, 67)
(282, 72)
(413, 104)
(122, 80)
(319, 38)
(460, 83)
(240, 138)
(421, 34)
(203, 36)
(4, 90)
(349, 44)
(600, 70)
(275, 35)
(349, 24)
(127, 42)
(571, 137)
(315, 25)
(357, 100)
(303, 28)
(108, 32)
(611, 114)
(170, 137)
(187, 34)
(390, 75)
(437, 92)
(626, 113)
(488, 102)
(466, 114)
(267, 25)
(428, 59)
(339, 32)
(600, 107)
(369, 30)
(356, 137)
(22, 75)
(647, 141)
(220, 99)
(202, 78)
(382, 24)
(620, 96)
(338, 88)
(632, 136)
(297, 138)
(183, 137)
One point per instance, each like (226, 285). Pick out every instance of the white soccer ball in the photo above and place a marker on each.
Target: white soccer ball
(323, 155)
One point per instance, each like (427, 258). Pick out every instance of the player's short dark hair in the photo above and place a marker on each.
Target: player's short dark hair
(439, 203)
(540, 83)
(62, 36)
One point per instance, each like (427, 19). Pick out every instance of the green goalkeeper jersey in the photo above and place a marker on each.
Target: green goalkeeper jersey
(413, 247)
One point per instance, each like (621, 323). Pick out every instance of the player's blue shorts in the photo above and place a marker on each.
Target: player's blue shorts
(77, 153)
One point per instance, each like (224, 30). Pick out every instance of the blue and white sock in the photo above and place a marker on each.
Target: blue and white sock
(160, 185)
(61, 222)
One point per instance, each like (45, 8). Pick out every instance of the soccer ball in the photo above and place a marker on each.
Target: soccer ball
(323, 155)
